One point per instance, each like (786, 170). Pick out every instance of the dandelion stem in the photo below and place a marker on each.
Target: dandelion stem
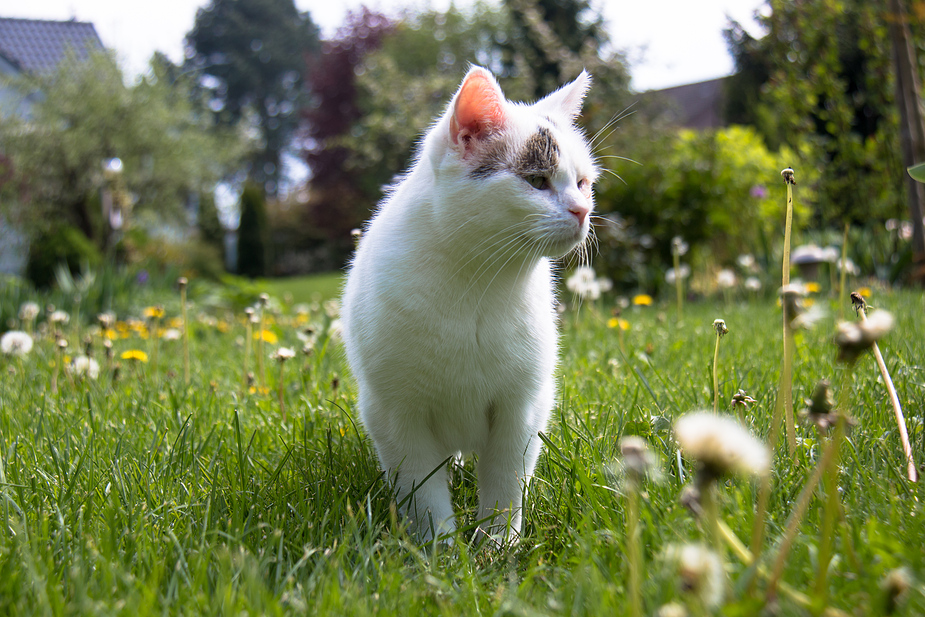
(678, 283)
(279, 390)
(786, 380)
(716, 374)
(262, 375)
(186, 376)
(843, 273)
(911, 470)
(247, 350)
(633, 553)
(802, 503)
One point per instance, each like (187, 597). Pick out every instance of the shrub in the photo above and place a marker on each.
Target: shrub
(62, 244)
(252, 233)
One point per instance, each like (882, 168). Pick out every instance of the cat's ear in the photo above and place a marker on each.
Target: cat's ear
(478, 108)
(567, 100)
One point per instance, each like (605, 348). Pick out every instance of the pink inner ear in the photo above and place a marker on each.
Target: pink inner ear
(478, 109)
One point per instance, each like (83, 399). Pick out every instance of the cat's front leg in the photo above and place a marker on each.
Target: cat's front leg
(505, 467)
(418, 474)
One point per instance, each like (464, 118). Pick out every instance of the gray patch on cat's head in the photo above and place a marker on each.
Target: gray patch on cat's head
(539, 156)
(495, 158)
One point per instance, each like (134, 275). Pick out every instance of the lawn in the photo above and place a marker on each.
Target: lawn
(137, 493)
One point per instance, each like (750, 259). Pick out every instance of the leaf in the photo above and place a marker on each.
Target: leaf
(917, 172)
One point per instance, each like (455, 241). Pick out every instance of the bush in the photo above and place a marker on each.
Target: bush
(253, 233)
(63, 244)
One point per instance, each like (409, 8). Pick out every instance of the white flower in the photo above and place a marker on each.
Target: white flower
(830, 254)
(284, 353)
(28, 311)
(60, 317)
(585, 283)
(855, 337)
(335, 329)
(15, 343)
(721, 444)
(332, 308)
(726, 278)
(848, 266)
(82, 366)
(752, 283)
(746, 262)
(701, 573)
(171, 334)
(679, 246)
(683, 272)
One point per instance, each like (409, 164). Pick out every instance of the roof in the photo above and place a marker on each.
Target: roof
(38, 46)
(695, 106)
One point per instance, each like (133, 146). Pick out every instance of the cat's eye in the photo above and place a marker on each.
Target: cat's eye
(584, 185)
(538, 182)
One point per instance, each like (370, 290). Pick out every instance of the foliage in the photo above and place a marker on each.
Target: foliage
(823, 74)
(86, 115)
(62, 244)
(254, 51)
(208, 223)
(717, 189)
(134, 493)
(253, 240)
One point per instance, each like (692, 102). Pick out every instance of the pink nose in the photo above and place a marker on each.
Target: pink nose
(580, 211)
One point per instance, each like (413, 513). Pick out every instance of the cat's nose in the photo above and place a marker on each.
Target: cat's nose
(580, 211)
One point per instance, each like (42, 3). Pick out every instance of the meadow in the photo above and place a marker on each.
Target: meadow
(138, 492)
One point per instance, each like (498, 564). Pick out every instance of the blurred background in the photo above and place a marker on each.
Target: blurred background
(232, 140)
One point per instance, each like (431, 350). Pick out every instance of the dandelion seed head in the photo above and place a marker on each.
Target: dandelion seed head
(15, 343)
(638, 460)
(700, 571)
(672, 609)
(719, 326)
(726, 278)
(59, 317)
(678, 246)
(854, 338)
(682, 272)
(171, 334)
(721, 444)
(788, 176)
(29, 311)
(283, 353)
(752, 283)
(83, 366)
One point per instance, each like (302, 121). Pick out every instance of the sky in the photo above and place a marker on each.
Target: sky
(668, 42)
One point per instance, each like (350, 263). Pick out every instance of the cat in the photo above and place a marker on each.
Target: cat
(448, 309)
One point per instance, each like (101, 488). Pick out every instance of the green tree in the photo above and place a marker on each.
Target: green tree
(252, 56)
(253, 232)
(87, 115)
(823, 74)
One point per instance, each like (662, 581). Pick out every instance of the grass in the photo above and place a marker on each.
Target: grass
(138, 495)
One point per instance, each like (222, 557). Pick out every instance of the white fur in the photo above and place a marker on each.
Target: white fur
(448, 315)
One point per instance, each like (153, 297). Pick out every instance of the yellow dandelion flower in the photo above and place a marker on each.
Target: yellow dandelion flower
(110, 334)
(223, 326)
(175, 322)
(812, 287)
(153, 312)
(135, 354)
(616, 322)
(808, 302)
(642, 300)
(865, 291)
(268, 336)
(255, 390)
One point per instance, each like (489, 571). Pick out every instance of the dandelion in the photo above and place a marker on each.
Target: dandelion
(585, 284)
(84, 366)
(335, 330)
(281, 355)
(59, 317)
(672, 609)
(725, 279)
(28, 311)
(752, 283)
(811, 287)
(721, 445)
(153, 312)
(820, 408)
(642, 300)
(854, 338)
(678, 246)
(135, 355)
(617, 322)
(895, 587)
(719, 326)
(746, 262)
(15, 343)
(701, 574)
(742, 399)
(171, 334)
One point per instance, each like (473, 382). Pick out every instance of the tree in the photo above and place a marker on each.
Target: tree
(86, 115)
(822, 75)
(253, 244)
(251, 54)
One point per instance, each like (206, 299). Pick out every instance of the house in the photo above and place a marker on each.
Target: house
(33, 47)
(694, 106)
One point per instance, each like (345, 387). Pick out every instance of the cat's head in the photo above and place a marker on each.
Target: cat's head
(525, 168)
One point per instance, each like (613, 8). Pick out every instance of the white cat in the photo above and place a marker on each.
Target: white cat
(448, 313)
